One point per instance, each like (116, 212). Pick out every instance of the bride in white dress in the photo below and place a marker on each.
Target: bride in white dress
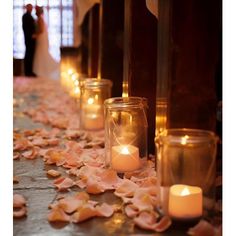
(44, 65)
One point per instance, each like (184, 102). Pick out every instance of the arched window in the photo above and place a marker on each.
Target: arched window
(58, 15)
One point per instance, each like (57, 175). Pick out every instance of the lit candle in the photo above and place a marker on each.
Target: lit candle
(91, 107)
(93, 118)
(185, 202)
(75, 93)
(93, 122)
(125, 158)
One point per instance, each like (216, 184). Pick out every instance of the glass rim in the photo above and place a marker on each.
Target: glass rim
(95, 82)
(122, 102)
(182, 135)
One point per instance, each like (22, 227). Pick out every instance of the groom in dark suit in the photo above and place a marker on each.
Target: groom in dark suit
(28, 25)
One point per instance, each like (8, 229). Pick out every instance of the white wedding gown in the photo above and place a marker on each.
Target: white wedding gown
(44, 64)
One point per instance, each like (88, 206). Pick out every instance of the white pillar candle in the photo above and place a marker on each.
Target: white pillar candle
(125, 158)
(185, 202)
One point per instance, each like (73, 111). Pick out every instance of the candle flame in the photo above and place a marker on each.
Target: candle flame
(125, 150)
(76, 90)
(70, 71)
(73, 77)
(184, 139)
(185, 192)
(76, 82)
(90, 101)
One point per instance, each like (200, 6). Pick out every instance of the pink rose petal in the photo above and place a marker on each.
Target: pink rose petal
(18, 213)
(53, 173)
(18, 200)
(104, 210)
(57, 214)
(63, 183)
(203, 228)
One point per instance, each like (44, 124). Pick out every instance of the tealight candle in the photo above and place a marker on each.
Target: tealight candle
(125, 158)
(91, 107)
(93, 121)
(185, 202)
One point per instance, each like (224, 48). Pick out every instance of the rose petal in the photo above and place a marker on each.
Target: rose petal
(53, 142)
(63, 183)
(16, 156)
(147, 220)
(21, 144)
(143, 200)
(53, 173)
(57, 214)
(18, 200)
(70, 134)
(18, 213)
(131, 210)
(110, 179)
(93, 186)
(31, 154)
(15, 180)
(54, 157)
(40, 142)
(104, 210)
(70, 204)
(202, 228)
(84, 213)
(126, 188)
(163, 224)
(82, 196)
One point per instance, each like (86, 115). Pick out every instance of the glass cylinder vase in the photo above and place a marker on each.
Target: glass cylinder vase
(93, 94)
(125, 133)
(186, 169)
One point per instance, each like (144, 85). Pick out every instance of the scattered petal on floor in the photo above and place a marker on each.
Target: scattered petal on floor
(19, 208)
(31, 154)
(163, 224)
(15, 180)
(53, 173)
(16, 155)
(21, 212)
(126, 188)
(22, 144)
(54, 156)
(63, 183)
(204, 228)
(85, 212)
(148, 220)
(70, 204)
(57, 214)
(104, 210)
(18, 200)
(131, 210)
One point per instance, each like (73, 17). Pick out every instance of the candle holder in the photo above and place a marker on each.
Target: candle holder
(186, 169)
(125, 133)
(93, 93)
